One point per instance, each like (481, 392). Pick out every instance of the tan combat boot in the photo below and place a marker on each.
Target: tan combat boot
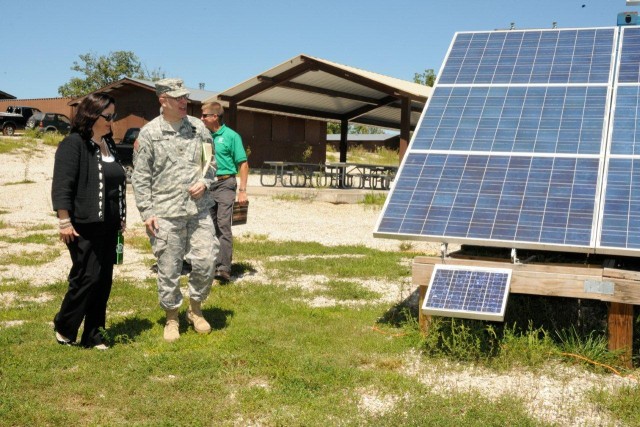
(194, 316)
(171, 332)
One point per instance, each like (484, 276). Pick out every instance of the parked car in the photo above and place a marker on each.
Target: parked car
(15, 118)
(126, 151)
(49, 122)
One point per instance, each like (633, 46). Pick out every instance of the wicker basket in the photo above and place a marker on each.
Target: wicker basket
(240, 213)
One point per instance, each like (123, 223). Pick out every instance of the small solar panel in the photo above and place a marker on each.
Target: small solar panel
(468, 292)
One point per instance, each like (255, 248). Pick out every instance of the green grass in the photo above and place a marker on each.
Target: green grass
(374, 199)
(138, 242)
(15, 145)
(343, 290)
(358, 154)
(41, 227)
(27, 259)
(48, 138)
(271, 358)
(38, 238)
(625, 403)
(52, 138)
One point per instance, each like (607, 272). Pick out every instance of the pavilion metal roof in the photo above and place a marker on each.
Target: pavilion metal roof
(312, 87)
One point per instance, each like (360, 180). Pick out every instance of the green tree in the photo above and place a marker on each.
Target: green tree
(104, 70)
(361, 129)
(333, 128)
(428, 78)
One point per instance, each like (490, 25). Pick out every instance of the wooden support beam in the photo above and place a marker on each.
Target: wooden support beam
(621, 330)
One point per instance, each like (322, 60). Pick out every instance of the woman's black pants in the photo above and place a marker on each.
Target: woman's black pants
(90, 279)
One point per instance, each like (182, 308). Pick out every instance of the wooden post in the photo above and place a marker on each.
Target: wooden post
(423, 319)
(344, 136)
(232, 113)
(621, 330)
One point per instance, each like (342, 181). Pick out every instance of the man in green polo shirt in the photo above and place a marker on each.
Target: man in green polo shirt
(232, 162)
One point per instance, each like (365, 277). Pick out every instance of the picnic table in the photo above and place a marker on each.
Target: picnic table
(330, 174)
(362, 175)
(289, 174)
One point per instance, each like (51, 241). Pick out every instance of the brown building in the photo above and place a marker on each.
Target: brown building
(47, 105)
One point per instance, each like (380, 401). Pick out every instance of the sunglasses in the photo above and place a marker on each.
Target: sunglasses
(109, 117)
(208, 115)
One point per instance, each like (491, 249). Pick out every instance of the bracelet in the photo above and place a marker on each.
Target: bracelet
(242, 191)
(63, 226)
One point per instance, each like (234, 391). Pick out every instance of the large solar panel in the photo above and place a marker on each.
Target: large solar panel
(512, 145)
(469, 292)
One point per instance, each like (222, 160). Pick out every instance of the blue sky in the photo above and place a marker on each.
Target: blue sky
(224, 43)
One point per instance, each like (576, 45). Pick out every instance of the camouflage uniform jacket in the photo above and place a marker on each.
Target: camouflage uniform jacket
(168, 163)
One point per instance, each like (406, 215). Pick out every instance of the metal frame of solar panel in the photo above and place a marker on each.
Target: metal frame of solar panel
(509, 150)
(468, 292)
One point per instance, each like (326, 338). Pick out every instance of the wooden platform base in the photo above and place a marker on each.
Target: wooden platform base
(621, 288)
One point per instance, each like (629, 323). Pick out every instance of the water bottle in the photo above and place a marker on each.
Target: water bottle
(119, 247)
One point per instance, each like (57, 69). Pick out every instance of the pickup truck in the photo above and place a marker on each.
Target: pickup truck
(15, 118)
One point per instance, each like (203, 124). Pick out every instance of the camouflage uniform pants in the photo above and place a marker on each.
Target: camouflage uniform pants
(189, 238)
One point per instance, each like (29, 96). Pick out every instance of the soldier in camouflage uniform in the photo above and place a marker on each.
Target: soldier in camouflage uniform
(170, 182)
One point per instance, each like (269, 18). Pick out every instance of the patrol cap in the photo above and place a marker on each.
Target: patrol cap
(172, 87)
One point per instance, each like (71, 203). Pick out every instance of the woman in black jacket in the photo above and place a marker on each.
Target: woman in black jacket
(88, 193)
